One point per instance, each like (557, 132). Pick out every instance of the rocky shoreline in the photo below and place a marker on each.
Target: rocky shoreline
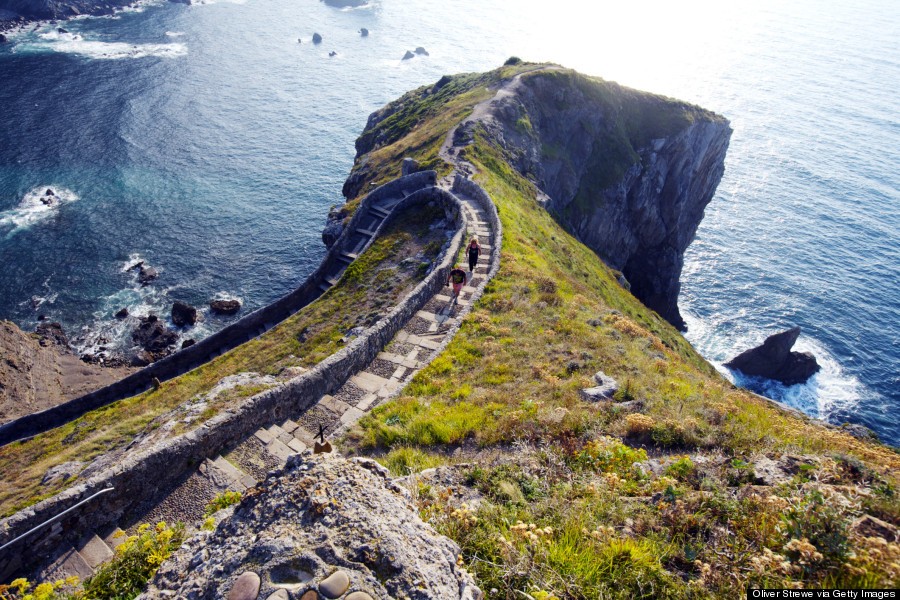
(18, 14)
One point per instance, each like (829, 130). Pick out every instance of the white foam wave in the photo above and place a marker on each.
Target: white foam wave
(36, 206)
(74, 43)
(174, 33)
(830, 391)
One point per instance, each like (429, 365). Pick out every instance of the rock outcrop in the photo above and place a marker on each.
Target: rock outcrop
(152, 336)
(225, 307)
(184, 315)
(324, 525)
(775, 360)
(627, 172)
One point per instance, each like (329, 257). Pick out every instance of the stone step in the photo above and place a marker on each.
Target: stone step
(67, 562)
(280, 434)
(368, 381)
(331, 280)
(93, 550)
(243, 479)
(324, 287)
(221, 480)
(113, 536)
(279, 449)
(379, 211)
(366, 232)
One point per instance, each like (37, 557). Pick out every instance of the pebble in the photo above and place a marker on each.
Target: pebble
(310, 595)
(358, 596)
(334, 585)
(281, 595)
(246, 587)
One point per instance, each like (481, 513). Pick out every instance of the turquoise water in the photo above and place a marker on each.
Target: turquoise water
(208, 142)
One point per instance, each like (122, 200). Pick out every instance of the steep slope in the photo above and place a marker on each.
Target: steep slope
(40, 371)
(670, 488)
(628, 173)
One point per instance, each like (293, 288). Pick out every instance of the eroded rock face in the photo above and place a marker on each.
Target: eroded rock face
(775, 360)
(322, 524)
(183, 315)
(628, 172)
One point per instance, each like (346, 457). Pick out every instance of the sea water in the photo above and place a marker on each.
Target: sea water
(210, 140)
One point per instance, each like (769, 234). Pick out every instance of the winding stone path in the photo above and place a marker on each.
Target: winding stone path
(422, 339)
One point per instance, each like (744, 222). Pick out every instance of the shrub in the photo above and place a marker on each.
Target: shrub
(223, 500)
(512, 61)
(638, 424)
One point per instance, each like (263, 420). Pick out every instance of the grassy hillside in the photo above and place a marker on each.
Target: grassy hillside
(569, 512)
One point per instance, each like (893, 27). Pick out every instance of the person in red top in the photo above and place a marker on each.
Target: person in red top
(473, 250)
(458, 277)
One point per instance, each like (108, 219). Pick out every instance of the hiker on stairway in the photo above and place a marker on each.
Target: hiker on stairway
(458, 277)
(473, 250)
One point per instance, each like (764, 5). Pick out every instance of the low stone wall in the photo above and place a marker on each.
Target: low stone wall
(147, 473)
(218, 343)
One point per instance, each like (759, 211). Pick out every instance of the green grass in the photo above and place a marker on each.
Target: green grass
(554, 315)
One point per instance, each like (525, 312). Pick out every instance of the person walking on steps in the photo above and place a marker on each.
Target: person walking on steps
(458, 277)
(473, 250)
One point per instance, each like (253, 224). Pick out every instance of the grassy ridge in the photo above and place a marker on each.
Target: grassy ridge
(568, 512)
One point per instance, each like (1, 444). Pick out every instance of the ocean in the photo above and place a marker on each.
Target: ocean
(210, 141)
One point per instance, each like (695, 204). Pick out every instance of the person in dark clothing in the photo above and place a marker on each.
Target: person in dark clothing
(458, 277)
(473, 250)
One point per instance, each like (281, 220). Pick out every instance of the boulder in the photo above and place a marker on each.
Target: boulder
(152, 335)
(332, 53)
(123, 312)
(860, 432)
(52, 334)
(421, 51)
(317, 39)
(774, 360)
(183, 315)
(3, 38)
(869, 526)
(61, 30)
(188, 343)
(322, 526)
(145, 274)
(62, 472)
(408, 55)
(605, 389)
(409, 166)
(364, 32)
(225, 307)
(770, 471)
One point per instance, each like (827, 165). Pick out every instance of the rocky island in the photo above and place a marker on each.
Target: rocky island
(556, 436)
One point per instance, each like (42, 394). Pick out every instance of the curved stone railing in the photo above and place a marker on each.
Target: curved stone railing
(139, 477)
(220, 342)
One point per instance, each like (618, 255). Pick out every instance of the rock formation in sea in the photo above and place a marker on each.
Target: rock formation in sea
(321, 527)
(773, 359)
(408, 55)
(225, 307)
(317, 39)
(183, 315)
(152, 335)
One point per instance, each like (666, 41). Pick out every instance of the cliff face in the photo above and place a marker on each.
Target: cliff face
(627, 172)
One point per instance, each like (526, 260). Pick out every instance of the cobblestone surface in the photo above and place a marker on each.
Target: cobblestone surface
(349, 393)
(399, 348)
(186, 503)
(382, 368)
(311, 419)
(417, 325)
(251, 457)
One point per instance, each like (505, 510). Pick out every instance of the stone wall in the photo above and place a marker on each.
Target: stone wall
(156, 469)
(218, 343)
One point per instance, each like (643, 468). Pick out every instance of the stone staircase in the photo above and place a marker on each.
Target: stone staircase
(411, 349)
(249, 460)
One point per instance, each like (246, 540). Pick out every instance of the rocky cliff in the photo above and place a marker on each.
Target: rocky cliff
(627, 172)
